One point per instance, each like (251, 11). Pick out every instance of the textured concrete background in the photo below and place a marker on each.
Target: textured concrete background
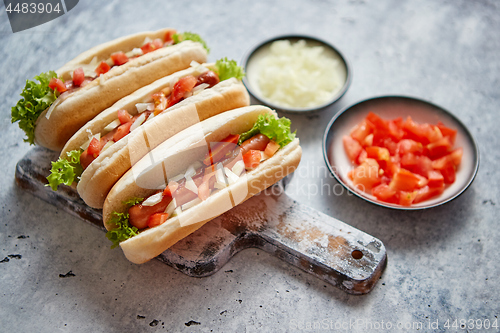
(443, 263)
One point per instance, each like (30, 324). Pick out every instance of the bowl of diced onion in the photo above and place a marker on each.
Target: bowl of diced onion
(296, 73)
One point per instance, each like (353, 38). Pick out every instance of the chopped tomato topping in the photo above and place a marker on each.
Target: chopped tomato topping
(404, 180)
(139, 214)
(415, 161)
(366, 176)
(102, 68)
(157, 219)
(181, 87)
(124, 116)
(94, 147)
(78, 76)
(57, 84)
(271, 148)
(252, 159)
(151, 46)
(168, 37)
(352, 148)
(384, 193)
(119, 58)
(122, 130)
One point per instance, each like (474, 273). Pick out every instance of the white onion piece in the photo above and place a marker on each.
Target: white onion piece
(191, 203)
(263, 156)
(200, 70)
(177, 211)
(153, 200)
(231, 177)
(138, 122)
(110, 62)
(112, 125)
(194, 63)
(171, 207)
(199, 88)
(52, 107)
(89, 69)
(187, 94)
(151, 116)
(135, 52)
(220, 179)
(141, 107)
(238, 168)
(107, 145)
(190, 172)
(147, 40)
(190, 185)
(87, 143)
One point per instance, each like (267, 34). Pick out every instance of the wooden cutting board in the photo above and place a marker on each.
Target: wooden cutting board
(316, 243)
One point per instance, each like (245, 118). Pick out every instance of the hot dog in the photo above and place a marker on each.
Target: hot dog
(61, 102)
(104, 148)
(182, 184)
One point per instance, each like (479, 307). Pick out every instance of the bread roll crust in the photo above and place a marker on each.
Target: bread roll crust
(151, 242)
(85, 103)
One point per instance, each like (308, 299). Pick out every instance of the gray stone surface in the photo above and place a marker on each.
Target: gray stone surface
(443, 262)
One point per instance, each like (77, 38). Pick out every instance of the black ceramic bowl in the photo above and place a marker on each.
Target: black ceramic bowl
(252, 64)
(391, 107)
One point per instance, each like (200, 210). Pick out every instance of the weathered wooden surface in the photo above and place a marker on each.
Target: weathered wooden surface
(316, 243)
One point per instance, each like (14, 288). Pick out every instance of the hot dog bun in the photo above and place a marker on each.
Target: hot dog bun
(85, 103)
(110, 165)
(153, 241)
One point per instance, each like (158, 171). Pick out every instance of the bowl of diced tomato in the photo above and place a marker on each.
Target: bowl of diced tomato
(400, 152)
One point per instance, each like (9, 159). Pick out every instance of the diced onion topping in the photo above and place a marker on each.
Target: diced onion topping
(190, 172)
(231, 177)
(112, 125)
(87, 143)
(238, 168)
(141, 107)
(220, 179)
(138, 122)
(171, 207)
(199, 88)
(190, 185)
(153, 200)
(177, 211)
(89, 69)
(107, 145)
(298, 75)
(134, 53)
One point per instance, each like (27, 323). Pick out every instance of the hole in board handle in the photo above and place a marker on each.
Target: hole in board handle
(357, 254)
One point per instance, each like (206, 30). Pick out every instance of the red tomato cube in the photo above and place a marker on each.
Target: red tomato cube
(352, 148)
(252, 159)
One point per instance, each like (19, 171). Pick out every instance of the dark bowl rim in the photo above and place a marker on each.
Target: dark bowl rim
(393, 206)
(261, 44)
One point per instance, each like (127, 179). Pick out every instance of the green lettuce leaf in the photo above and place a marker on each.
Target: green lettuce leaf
(275, 129)
(190, 36)
(65, 170)
(227, 69)
(131, 202)
(36, 98)
(122, 230)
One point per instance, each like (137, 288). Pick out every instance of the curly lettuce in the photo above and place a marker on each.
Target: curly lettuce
(190, 36)
(65, 170)
(122, 230)
(227, 69)
(275, 129)
(36, 98)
